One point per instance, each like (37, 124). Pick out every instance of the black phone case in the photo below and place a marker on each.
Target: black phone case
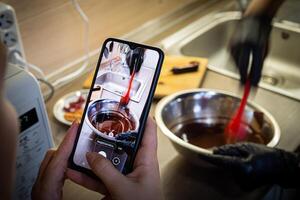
(145, 112)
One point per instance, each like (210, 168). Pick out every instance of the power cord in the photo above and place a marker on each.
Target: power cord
(69, 77)
(48, 96)
(42, 79)
(29, 65)
(79, 71)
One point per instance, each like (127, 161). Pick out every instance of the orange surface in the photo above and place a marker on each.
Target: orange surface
(169, 83)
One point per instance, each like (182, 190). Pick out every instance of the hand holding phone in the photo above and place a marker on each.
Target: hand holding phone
(114, 117)
(142, 183)
(111, 133)
(51, 177)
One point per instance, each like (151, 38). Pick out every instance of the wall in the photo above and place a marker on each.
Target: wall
(52, 31)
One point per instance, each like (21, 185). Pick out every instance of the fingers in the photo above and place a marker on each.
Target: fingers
(243, 63)
(226, 162)
(65, 148)
(147, 153)
(48, 157)
(241, 55)
(59, 161)
(226, 150)
(237, 150)
(104, 169)
(52, 171)
(86, 181)
(257, 65)
(149, 140)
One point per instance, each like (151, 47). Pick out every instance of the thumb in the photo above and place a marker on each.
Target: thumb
(105, 170)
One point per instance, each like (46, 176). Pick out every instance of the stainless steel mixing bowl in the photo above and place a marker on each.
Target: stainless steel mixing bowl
(207, 106)
(109, 106)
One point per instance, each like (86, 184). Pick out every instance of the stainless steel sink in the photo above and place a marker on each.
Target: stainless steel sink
(118, 84)
(209, 37)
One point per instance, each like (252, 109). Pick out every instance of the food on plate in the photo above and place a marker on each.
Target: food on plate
(73, 111)
(72, 116)
(75, 105)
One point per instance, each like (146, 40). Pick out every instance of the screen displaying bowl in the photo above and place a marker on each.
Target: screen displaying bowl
(112, 122)
(107, 118)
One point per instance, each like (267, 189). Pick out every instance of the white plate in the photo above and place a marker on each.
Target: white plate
(58, 109)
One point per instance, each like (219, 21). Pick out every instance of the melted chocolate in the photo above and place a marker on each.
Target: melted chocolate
(208, 136)
(112, 123)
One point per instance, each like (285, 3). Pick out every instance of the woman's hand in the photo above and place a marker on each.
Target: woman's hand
(142, 183)
(8, 134)
(51, 178)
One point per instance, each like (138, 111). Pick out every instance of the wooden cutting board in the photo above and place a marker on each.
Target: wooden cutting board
(170, 83)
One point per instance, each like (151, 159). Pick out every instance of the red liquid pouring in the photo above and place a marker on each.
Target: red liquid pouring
(236, 131)
(125, 99)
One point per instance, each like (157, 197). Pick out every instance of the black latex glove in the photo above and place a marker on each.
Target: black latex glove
(135, 59)
(106, 52)
(256, 165)
(251, 37)
(126, 141)
(111, 46)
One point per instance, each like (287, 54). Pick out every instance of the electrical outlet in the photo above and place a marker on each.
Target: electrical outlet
(10, 34)
(9, 39)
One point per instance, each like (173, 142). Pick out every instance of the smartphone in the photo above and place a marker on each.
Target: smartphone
(118, 104)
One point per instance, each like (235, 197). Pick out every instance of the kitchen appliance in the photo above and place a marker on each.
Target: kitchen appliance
(209, 107)
(34, 139)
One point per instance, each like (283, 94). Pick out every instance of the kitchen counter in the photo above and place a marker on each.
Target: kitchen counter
(181, 179)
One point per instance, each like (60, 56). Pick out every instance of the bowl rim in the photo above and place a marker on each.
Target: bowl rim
(166, 131)
(96, 131)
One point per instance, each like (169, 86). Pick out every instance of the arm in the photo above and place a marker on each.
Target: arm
(8, 134)
(263, 7)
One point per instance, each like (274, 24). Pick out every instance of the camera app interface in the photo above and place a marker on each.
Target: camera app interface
(112, 120)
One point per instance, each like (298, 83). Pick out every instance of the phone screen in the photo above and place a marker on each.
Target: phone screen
(111, 125)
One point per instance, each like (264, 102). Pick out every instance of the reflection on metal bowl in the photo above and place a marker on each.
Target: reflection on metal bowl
(194, 121)
(108, 119)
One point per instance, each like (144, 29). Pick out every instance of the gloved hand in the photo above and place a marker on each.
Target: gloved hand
(256, 165)
(251, 37)
(135, 59)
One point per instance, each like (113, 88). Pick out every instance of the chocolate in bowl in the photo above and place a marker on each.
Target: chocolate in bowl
(204, 135)
(194, 121)
(108, 119)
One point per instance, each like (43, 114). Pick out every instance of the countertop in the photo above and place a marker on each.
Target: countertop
(180, 179)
